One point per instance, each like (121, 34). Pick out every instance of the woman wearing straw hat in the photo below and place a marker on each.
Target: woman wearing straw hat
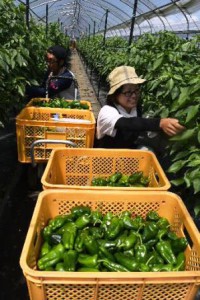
(120, 121)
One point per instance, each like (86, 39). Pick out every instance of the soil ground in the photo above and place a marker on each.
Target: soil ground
(17, 199)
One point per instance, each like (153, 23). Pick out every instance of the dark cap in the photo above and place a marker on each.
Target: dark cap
(58, 51)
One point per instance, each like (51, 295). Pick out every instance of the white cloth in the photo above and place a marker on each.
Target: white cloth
(108, 117)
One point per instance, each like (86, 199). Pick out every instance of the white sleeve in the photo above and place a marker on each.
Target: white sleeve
(106, 121)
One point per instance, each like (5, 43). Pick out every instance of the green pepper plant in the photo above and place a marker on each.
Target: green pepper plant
(171, 66)
(21, 55)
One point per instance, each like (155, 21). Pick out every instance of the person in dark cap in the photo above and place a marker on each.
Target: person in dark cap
(58, 80)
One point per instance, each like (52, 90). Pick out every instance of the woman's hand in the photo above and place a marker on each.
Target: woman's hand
(171, 126)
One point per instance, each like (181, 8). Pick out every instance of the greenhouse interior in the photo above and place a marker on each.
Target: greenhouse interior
(100, 149)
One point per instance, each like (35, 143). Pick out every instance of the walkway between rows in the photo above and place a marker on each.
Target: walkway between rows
(87, 92)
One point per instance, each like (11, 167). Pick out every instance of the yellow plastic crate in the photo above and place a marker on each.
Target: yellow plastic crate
(52, 285)
(34, 100)
(75, 168)
(35, 123)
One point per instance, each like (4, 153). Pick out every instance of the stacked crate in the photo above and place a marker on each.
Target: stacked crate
(43, 123)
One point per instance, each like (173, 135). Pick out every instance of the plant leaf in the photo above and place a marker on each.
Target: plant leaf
(178, 165)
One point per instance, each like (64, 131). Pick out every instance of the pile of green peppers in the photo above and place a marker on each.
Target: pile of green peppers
(62, 103)
(87, 240)
(136, 179)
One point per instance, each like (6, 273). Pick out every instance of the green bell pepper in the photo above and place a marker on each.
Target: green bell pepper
(125, 213)
(128, 262)
(163, 223)
(114, 228)
(135, 177)
(179, 245)
(114, 177)
(105, 253)
(91, 245)
(165, 250)
(151, 243)
(150, 231)
(59, 221)
(107, 244)
(106, 220)
(138, 223)
(46, 233)
(80, 210)
(119, 241)
(113, 266)
(180, 262)
(79, 240)
(96, 217)
(140, 253)
(96, 232)
(152, 215)
(154, 258)
(140, 249)
(66, 227)
(70, 260)
(129, 241)
(69, 235)
(84, 106)
(162, 268)
(86, 260)
(144, 181)
(100, 181)
(60, 267)
(132, 223)
(143, 267)
(83, 221)
(172, 235)
(45, 248)
(123, 181)
(162, 233)
(129, 252)
(54, 256)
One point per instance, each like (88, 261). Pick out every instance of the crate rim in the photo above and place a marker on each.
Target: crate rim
(20, 120)
(29, 104)
(106, 150)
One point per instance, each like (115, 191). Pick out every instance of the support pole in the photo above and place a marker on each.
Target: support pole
(133, 21)
(88, 31)
(105, 28)
(47, 17)
(94, 28)
(27, 13)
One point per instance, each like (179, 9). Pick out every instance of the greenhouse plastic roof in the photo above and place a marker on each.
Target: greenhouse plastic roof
(86, 17)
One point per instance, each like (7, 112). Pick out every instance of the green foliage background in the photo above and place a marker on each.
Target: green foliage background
(21, 54)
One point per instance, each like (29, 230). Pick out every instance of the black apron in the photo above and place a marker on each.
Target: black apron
(122, 140)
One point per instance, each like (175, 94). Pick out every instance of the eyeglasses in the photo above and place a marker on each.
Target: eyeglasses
(51, 62)
(130, 93)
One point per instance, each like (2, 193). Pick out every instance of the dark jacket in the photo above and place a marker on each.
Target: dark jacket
(55, 86)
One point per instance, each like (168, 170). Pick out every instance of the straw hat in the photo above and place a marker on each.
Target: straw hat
(122, 75)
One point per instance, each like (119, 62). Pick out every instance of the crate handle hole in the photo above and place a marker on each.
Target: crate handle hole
(35, 239)
(186, 234)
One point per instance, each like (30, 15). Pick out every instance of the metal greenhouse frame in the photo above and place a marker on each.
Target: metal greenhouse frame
(120, 17)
